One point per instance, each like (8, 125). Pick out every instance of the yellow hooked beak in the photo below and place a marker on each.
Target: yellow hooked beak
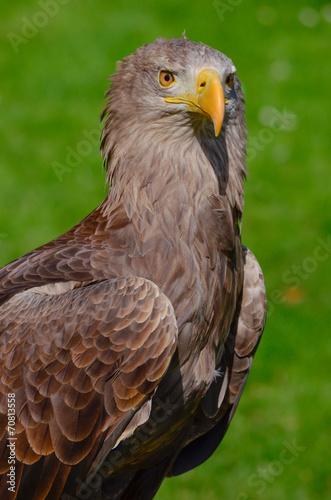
(208, 98)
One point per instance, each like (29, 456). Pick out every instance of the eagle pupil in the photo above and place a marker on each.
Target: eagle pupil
(167, 77)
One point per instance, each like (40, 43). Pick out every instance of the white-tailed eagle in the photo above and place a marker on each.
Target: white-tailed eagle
(125, 343)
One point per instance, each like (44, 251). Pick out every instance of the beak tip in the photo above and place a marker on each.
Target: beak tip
(217, 128)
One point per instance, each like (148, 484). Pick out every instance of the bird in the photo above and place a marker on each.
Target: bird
(126, 343)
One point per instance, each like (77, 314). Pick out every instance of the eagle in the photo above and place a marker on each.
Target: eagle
(125, 343)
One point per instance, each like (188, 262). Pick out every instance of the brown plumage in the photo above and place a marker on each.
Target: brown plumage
(128, 340)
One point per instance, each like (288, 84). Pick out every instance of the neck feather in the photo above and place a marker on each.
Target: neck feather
(140, 161)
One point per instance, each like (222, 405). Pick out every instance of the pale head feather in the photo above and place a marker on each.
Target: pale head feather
(143, 133)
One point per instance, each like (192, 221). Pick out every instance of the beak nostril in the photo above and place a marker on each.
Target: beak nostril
(203, 84)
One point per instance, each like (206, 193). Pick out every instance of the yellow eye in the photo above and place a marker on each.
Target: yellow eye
(166, 78)
(229, 80)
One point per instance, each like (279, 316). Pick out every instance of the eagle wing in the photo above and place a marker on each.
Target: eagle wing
(81, 362)
(220, 402)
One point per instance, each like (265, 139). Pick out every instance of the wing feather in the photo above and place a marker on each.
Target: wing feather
(80, 363)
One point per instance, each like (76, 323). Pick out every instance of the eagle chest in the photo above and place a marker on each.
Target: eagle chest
(194, 254)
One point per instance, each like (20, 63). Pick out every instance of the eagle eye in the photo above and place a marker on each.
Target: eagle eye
(166, 78)
(229, 80)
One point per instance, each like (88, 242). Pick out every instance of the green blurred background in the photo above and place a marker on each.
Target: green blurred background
(52, 82)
